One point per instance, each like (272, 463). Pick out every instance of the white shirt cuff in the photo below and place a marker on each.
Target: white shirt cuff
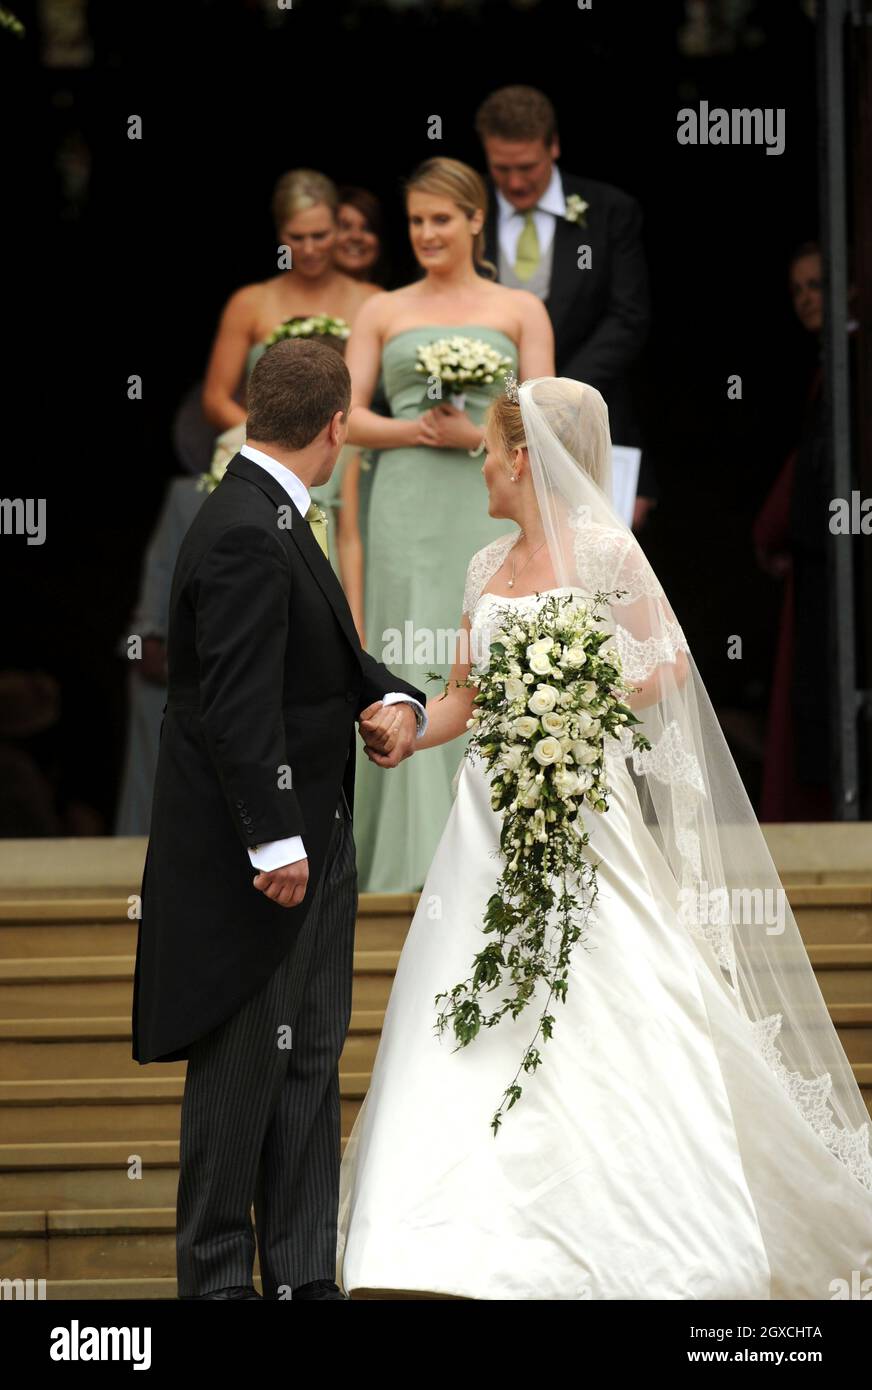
(274, 854)
(396, 697)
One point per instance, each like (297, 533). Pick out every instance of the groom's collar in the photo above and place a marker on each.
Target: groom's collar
(553, 200)
(292, 485)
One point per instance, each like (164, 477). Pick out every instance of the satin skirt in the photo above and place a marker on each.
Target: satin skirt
(653, 1154)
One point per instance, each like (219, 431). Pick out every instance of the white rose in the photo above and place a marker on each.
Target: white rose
(574, 657)
(584, 754)
(543, 699)
(565, 781)
(553, 723)
(531, 795)
(512, 758)
(539, 647)
(540, 664)
(583, 722)
(515, 689)
(525, 727)
(547, 751)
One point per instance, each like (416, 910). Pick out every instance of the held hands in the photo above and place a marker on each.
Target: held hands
(388, 732)
(444, 427)
(286, 885)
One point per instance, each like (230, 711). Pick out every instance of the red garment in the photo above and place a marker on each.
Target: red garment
(783, 797)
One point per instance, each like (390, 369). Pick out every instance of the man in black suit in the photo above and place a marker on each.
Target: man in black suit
(577, 244)
(245, 953)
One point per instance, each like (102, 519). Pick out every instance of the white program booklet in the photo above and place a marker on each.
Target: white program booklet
(625, 480)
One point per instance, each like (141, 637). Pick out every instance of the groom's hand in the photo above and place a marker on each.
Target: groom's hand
(287, 885)
(389, 733)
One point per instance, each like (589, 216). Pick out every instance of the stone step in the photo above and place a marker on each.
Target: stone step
(80, 1049)
(65, 1176)
(67, 987)
(104, 1109)
(843, 972)
(39, 927)
(85, 1245)
(833, 913)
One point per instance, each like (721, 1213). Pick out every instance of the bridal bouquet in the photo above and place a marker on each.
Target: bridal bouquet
(458, 362)
(547, 700)
(316, 326)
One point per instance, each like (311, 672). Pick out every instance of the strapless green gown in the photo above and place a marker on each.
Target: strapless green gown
(427, 517)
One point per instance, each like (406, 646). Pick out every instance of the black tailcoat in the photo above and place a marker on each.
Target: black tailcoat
(266, 680)
(600, 315)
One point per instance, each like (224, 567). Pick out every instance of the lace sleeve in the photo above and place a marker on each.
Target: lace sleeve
(647, 633)
(484, 563)
(609, 558)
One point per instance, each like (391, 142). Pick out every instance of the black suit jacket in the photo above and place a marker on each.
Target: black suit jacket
(266, 679)
(600, 315)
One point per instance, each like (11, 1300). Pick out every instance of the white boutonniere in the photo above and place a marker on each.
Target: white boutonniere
(576, 207)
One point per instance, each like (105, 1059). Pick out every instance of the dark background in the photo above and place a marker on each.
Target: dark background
(119, 255)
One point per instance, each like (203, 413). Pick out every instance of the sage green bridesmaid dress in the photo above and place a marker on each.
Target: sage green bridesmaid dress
(427, 517)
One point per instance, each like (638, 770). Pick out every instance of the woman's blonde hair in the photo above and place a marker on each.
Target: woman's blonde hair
(299, 190)
(450, 178)
(569, 421)
(505, 418)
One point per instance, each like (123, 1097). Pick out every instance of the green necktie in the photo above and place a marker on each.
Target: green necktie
(317, 519)
(527, 254)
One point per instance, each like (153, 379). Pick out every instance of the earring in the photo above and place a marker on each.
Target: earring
(514, 477)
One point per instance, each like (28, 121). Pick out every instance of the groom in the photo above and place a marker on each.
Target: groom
(245, 954)
(539, 220)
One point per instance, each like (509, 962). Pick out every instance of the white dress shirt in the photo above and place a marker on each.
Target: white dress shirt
(273, 854)
(550, 206)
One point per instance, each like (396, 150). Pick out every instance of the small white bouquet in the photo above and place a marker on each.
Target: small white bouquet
(458, 362)
(315, 326)
(548, 697)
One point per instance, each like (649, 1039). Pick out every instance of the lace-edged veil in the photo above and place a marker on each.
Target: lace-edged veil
(722, 881)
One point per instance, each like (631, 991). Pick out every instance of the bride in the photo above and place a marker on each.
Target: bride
(694, 1130)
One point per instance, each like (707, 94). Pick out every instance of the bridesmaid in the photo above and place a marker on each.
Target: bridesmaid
(305, 206)
(361, 252)
(305, 209)
(429, 511)
(360, 242)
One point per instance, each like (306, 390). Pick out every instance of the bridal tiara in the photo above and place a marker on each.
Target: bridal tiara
(512, 388)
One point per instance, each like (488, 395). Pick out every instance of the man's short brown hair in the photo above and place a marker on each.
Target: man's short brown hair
(296, 388)
(517, 113)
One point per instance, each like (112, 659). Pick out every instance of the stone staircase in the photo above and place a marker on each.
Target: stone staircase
(89, 1139)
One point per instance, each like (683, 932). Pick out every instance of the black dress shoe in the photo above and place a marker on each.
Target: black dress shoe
(236, 1291)
(320, 1288)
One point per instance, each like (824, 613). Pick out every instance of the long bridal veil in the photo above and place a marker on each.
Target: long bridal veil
(727, 892)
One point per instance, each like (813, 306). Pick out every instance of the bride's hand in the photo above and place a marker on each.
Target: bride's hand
(389, 733)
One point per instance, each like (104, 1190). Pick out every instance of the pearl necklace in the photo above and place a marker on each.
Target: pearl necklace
(525, 564)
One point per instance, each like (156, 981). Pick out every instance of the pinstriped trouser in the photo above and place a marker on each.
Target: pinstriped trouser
(261, 1122)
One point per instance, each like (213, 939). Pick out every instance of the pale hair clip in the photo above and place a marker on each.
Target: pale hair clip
(512, 388)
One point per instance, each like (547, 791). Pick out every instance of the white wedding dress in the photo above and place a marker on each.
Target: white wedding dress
(653, 1155)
